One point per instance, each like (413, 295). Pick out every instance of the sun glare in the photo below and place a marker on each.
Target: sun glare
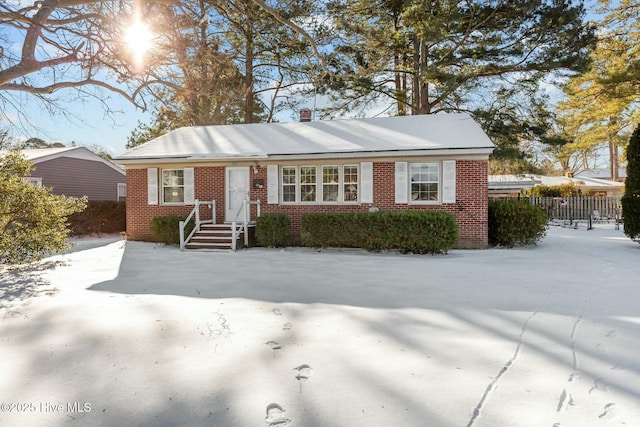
(139, 39)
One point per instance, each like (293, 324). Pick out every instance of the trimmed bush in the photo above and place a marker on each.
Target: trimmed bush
(405, 231)
(272, 229)
(516, 223)
(166, 229)
(100, 217)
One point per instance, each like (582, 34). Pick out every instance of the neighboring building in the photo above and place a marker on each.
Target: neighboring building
(76, 172)
(436, 162)
(603, 174)
(512, 185)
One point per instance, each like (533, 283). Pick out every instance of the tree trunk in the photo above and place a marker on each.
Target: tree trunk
(415, 87)
(248, 67)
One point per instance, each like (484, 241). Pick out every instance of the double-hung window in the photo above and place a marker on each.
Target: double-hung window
(289, 184)
(308, 184)
(320, 184)
(425, 178)
(330, 183)
(350, 183)
(172, 186)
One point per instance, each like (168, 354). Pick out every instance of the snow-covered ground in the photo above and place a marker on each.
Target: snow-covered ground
(145, 335)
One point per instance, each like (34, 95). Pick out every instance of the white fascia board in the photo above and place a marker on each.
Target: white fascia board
(375, 154)
(480, 153)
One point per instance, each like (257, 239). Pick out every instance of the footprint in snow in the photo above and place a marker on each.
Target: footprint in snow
(275, 416)
(303, 373)
(609, 412)
(287, 326)
(601, 348)
(599, 385)
(277, 311)
(274, 345)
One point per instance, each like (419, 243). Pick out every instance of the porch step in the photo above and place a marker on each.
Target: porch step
(215, 236)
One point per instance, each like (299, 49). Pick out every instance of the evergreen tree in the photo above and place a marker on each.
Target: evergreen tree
(597, 113)
(631, 198)
(427, 56)
(227, 57)
(32, 220)
(621, 25)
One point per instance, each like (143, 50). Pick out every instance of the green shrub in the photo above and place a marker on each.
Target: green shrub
(565, 190)
(514, 223)
(100, 217)
(631, 198)
(272, 229)
(631, 216)
(405, 231)
(166, 229)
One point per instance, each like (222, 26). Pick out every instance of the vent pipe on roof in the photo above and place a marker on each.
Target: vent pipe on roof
(305, 115)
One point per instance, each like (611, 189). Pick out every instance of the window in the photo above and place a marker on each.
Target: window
(350, 182)
(320, 184)
(308, 183)
(330, 183)
(122, 191)
(424, 182)
(36, 182)
(289, 184)
(173, 186)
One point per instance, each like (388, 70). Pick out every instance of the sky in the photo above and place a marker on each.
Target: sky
(89, 125)
(149, 335)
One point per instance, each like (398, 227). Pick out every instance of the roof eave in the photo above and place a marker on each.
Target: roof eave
(481, 151)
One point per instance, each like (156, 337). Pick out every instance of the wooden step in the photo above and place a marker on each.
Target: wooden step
(216, 236)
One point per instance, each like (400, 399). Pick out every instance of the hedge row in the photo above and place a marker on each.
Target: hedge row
(516, 223)
(166, 229)
(100, 217)
(405, 231)
(272, 229)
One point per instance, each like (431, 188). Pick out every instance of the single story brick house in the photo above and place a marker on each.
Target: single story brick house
(434, 162)
(76, 172)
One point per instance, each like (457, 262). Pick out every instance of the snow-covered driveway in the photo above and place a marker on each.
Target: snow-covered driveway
(146, 335)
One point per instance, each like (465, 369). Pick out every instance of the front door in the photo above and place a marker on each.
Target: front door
(236, 191)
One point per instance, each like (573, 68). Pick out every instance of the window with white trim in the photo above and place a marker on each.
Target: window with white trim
(308, 184)
(172, 186)
(330, 183)
(425, 182)
(289, 184)
(122, 191)
(36, 182)
(320, 184)
(350, 183)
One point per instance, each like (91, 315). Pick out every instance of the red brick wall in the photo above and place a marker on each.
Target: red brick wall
(209, 185)
(470, 209)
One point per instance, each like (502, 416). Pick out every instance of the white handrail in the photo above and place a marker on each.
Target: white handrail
(245, 222)
(196, 211)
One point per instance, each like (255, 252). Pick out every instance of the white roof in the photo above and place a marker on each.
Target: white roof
(526, 180)
(433, 133)
(602, 173)
(513, 181)
(39, 155)
(581, 181)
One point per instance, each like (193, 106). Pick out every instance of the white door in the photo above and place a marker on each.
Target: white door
(236, 191)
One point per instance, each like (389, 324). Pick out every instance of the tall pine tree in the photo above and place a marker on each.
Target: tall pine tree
(631, 198)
